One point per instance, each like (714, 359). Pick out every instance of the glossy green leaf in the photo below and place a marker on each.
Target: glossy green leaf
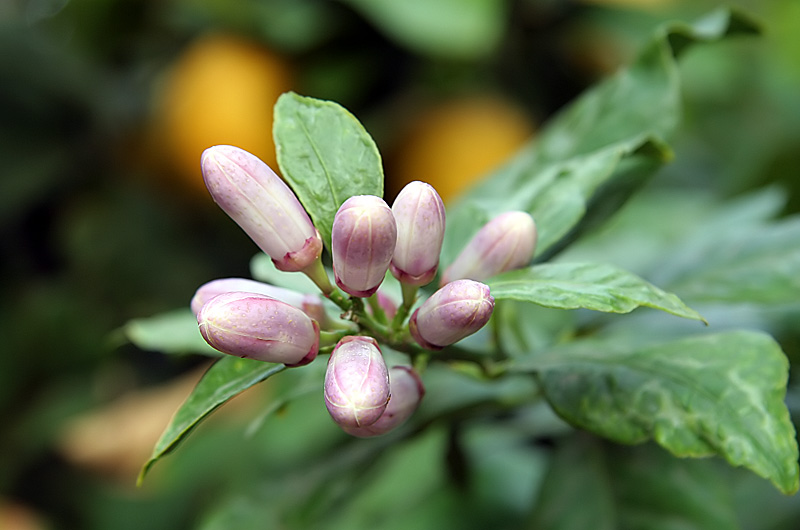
(326, 156)
(460, 29)
(172, 332)
(630, 487)
(609, 140)
(225, 379)
(596, 286)
(714, 394)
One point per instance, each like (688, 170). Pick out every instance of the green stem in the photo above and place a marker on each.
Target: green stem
(317, 274)
(377, 310)
(409, 297)
(344, 303)
(330, 338)
(420, 361)
(454, 353)
(363, 319)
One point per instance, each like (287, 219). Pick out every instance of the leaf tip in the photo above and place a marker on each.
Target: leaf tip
(143, 472)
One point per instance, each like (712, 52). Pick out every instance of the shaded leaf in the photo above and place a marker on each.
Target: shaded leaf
(325, 155)
(575, 497)
(596, 286)
(226, 378)
(714, 394)
(581, 150)
(624, 487)
(740, 263)
(461, 29)
(523, 327)
(172, 332)
(648, 234)
(263, 269)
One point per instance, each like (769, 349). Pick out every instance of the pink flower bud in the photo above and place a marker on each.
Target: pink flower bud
(419, 213)
(505, 243)
(356, 382)
(310, 304)
(362, 240)
(387, 304)
(407, 391)
(256, 326)
(263, 205)
(455, 311)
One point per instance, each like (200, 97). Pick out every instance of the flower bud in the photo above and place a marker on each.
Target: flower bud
(387, 304)
(505, 243)
(255, 326)
(407, 391)
(419, 213)
(362, 241)
(356, 382)
(310, 304)
(263, 205)
(455, 311)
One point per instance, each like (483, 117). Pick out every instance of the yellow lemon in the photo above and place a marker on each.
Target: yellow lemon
(455, 143)
(221, 90)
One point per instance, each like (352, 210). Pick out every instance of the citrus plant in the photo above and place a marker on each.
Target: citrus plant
(481, 340)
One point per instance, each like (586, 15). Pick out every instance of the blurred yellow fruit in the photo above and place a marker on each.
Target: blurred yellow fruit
(221, 90)
(454, 144)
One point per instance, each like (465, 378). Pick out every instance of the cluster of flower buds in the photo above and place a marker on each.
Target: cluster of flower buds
(368, 239)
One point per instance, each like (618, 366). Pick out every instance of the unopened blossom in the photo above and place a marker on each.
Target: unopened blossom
(387, 304)
(407, 392)
(363, 238)
(310, 304)
(420, 216)
(256, 326)
(455, 311)
(263, 205)
(356, 382)
(505, 243)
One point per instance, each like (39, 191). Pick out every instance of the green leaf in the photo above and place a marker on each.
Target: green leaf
(609, 139)
(650, 232)
(325, 155)
(625, 487)
(596, 286)
(226, 378)
(751, 263)
(458, 29)
(705, 250)
(263, 269)
(172, 332)
(522, 328)
(575, 497)
(714, 394)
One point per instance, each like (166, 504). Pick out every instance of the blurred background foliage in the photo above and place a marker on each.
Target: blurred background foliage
(105, 107)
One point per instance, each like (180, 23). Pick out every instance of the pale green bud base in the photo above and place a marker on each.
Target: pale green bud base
(317, 274)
